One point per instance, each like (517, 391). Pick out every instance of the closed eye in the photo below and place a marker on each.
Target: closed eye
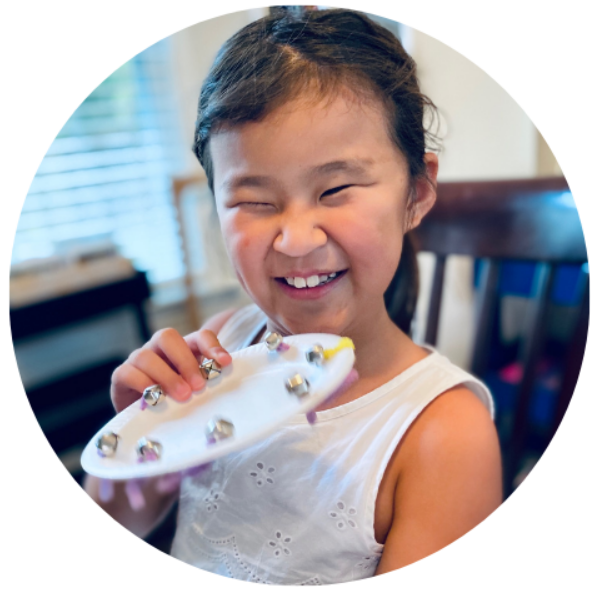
(335, 190)
(254, 204)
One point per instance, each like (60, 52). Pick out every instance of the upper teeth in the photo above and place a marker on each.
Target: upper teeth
(312, 281)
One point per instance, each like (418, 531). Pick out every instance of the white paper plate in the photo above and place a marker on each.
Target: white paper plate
(250, 393)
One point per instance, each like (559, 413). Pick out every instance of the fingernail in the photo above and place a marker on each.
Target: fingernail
(182, 390)
(217, 352)
(197, 381)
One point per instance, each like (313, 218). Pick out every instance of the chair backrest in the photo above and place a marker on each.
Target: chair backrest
(209, 278)
(527, 220)
(191, 300)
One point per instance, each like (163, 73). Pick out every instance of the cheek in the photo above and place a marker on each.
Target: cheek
(374, 240)
(375, 233)
(245, 246)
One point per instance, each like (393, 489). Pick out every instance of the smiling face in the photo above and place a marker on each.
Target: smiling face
(313, 202)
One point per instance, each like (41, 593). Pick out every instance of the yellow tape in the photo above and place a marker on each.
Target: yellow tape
(343, 343)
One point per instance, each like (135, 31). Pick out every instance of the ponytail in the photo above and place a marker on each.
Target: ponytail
(402, 294)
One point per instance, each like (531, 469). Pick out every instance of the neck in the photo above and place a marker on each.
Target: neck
(379, 343)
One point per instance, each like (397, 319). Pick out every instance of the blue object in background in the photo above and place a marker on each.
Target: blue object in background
(516, 278)
(566, 285)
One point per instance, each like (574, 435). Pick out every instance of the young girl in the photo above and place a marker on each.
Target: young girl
(310, 131)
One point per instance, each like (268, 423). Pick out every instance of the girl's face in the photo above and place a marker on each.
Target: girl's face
(313, 203)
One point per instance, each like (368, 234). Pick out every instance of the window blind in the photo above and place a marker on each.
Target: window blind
(107, 173)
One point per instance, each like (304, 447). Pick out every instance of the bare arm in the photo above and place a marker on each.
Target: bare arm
(170, 360)
(449, 479)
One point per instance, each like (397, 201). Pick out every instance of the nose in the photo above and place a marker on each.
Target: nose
(299, 235)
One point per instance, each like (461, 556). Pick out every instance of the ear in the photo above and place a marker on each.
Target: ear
(426, 192)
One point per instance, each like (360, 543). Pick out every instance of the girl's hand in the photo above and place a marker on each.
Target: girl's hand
(170, 360)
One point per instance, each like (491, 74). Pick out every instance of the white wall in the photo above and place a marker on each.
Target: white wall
(486, 135)
(194, 49)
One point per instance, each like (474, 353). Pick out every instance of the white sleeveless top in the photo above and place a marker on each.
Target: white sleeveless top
(299, 506)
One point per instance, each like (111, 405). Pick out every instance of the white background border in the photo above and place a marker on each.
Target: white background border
(54, 54)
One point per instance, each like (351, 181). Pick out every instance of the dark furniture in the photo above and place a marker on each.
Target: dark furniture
(69, 309)
(71, 407)
(512, 221)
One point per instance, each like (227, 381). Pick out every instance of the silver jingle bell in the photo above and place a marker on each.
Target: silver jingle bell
(315, 355)
(149, 450)
(107, 444)
(297, 385)
(210, 369)
(153, 395)
(219, 429)
(273, 341)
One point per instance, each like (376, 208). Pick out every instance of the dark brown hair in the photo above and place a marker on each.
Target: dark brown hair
(279, 57)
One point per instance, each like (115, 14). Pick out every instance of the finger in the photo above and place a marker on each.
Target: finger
(206, 343)
(173, 348)
(127, 385)
(161, 373)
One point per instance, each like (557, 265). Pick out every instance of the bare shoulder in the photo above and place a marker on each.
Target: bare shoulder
(448, 478)
(455, 419)
(454, 439)
(216, 322)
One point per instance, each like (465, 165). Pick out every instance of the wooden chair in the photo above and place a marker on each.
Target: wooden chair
(520, 220)
(192, 303)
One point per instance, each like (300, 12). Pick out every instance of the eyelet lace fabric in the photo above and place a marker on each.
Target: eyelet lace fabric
(230, 525)
(298, 508)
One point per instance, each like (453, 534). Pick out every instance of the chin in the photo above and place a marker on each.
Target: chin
(313, 325)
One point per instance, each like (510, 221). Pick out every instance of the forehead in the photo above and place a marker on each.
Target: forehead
(306, 133)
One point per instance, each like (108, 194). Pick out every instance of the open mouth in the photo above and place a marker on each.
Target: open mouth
(312, 281)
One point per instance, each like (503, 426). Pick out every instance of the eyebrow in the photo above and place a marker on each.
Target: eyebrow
(352, 166)
(236, 182)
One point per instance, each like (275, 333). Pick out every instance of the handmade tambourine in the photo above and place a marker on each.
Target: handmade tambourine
(263, 388)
